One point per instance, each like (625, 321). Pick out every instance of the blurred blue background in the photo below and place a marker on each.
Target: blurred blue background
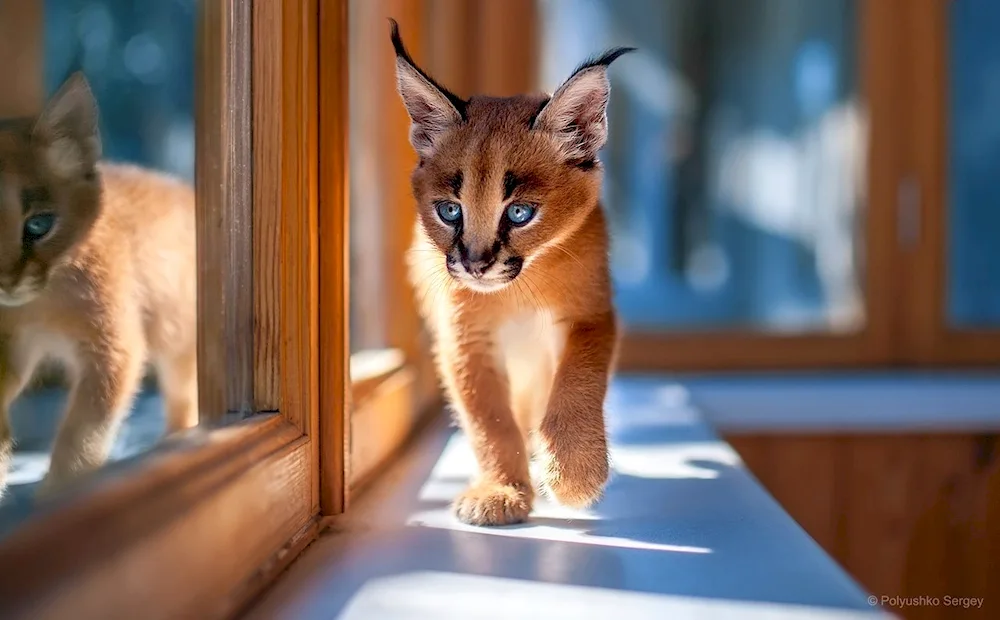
(973, 164)
(736, 166)
(139, 57)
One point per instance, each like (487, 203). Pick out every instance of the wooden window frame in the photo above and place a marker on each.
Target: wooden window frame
(873, 345)
(904, 83)
(197, 526)
(924, 268)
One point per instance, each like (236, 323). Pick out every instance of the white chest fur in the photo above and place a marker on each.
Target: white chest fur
(529, 347)
(38, 346)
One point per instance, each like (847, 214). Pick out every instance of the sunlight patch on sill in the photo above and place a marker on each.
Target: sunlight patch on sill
(674, 461)
(670, 461)
(564, 532)
(552, 522)
(434, 594)
(27, 467)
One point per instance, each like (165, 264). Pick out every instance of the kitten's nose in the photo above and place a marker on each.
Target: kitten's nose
(477, 265)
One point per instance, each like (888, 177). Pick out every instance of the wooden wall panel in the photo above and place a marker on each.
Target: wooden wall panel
(452, 26)
(940, 489)
(801, 475)
(507, 47)
(906, 515)
(878, 480)
(22, 60)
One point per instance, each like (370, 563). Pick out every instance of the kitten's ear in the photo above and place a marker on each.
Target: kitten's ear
(433, 109)
(577, 113)
(67, 128)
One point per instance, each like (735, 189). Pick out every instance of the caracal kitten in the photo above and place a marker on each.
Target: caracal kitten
(510, 267)
(97, 275)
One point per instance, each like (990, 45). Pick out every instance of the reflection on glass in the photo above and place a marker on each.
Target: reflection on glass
(97, 260)
(973, 156)
(735, 162)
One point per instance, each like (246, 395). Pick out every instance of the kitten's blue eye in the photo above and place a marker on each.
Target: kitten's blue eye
(450, 212)
(520, 214)
(37, 226)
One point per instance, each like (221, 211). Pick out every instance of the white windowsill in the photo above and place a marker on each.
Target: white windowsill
(683, 532)
(848, 402)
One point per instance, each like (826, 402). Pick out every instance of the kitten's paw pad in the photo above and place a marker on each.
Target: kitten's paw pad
(494, 504)
(574, 476)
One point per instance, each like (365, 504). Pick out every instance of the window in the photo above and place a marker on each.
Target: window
(786, 186)
(949, 268)
(247, 102)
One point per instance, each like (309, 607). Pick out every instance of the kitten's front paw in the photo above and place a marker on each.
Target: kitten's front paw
(48, 487)
(54, 483)
(494, 504)
(574, 471)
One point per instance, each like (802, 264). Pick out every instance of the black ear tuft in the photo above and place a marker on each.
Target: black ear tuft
(397, 44)
(604, 59)
(397, 41)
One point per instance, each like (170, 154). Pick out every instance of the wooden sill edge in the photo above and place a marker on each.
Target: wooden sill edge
(176, 504)
(386, 420)
(384, 423)
(370, 368)
(409, 465)
(272, 570)
(388, 457)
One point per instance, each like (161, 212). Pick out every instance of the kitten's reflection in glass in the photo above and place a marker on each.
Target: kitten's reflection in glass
(98, 279)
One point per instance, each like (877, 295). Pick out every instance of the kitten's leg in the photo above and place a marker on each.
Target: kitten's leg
(529, 394)
(573, 446)
(107, 381)
(12, 382)
(178, 380)
(503, 492)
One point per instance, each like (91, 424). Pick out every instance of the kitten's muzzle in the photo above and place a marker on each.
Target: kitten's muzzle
(475, 263)
(512, 267)
(484, 272)
(478, 268)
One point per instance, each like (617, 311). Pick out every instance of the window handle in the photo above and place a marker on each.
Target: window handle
(908, 213)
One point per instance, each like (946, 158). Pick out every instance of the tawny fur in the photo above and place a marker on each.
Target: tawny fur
(525, 361)
(110, 290)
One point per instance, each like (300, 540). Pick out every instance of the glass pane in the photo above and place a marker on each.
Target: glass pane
(97, 259)
(734, 168)
(973, 154)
